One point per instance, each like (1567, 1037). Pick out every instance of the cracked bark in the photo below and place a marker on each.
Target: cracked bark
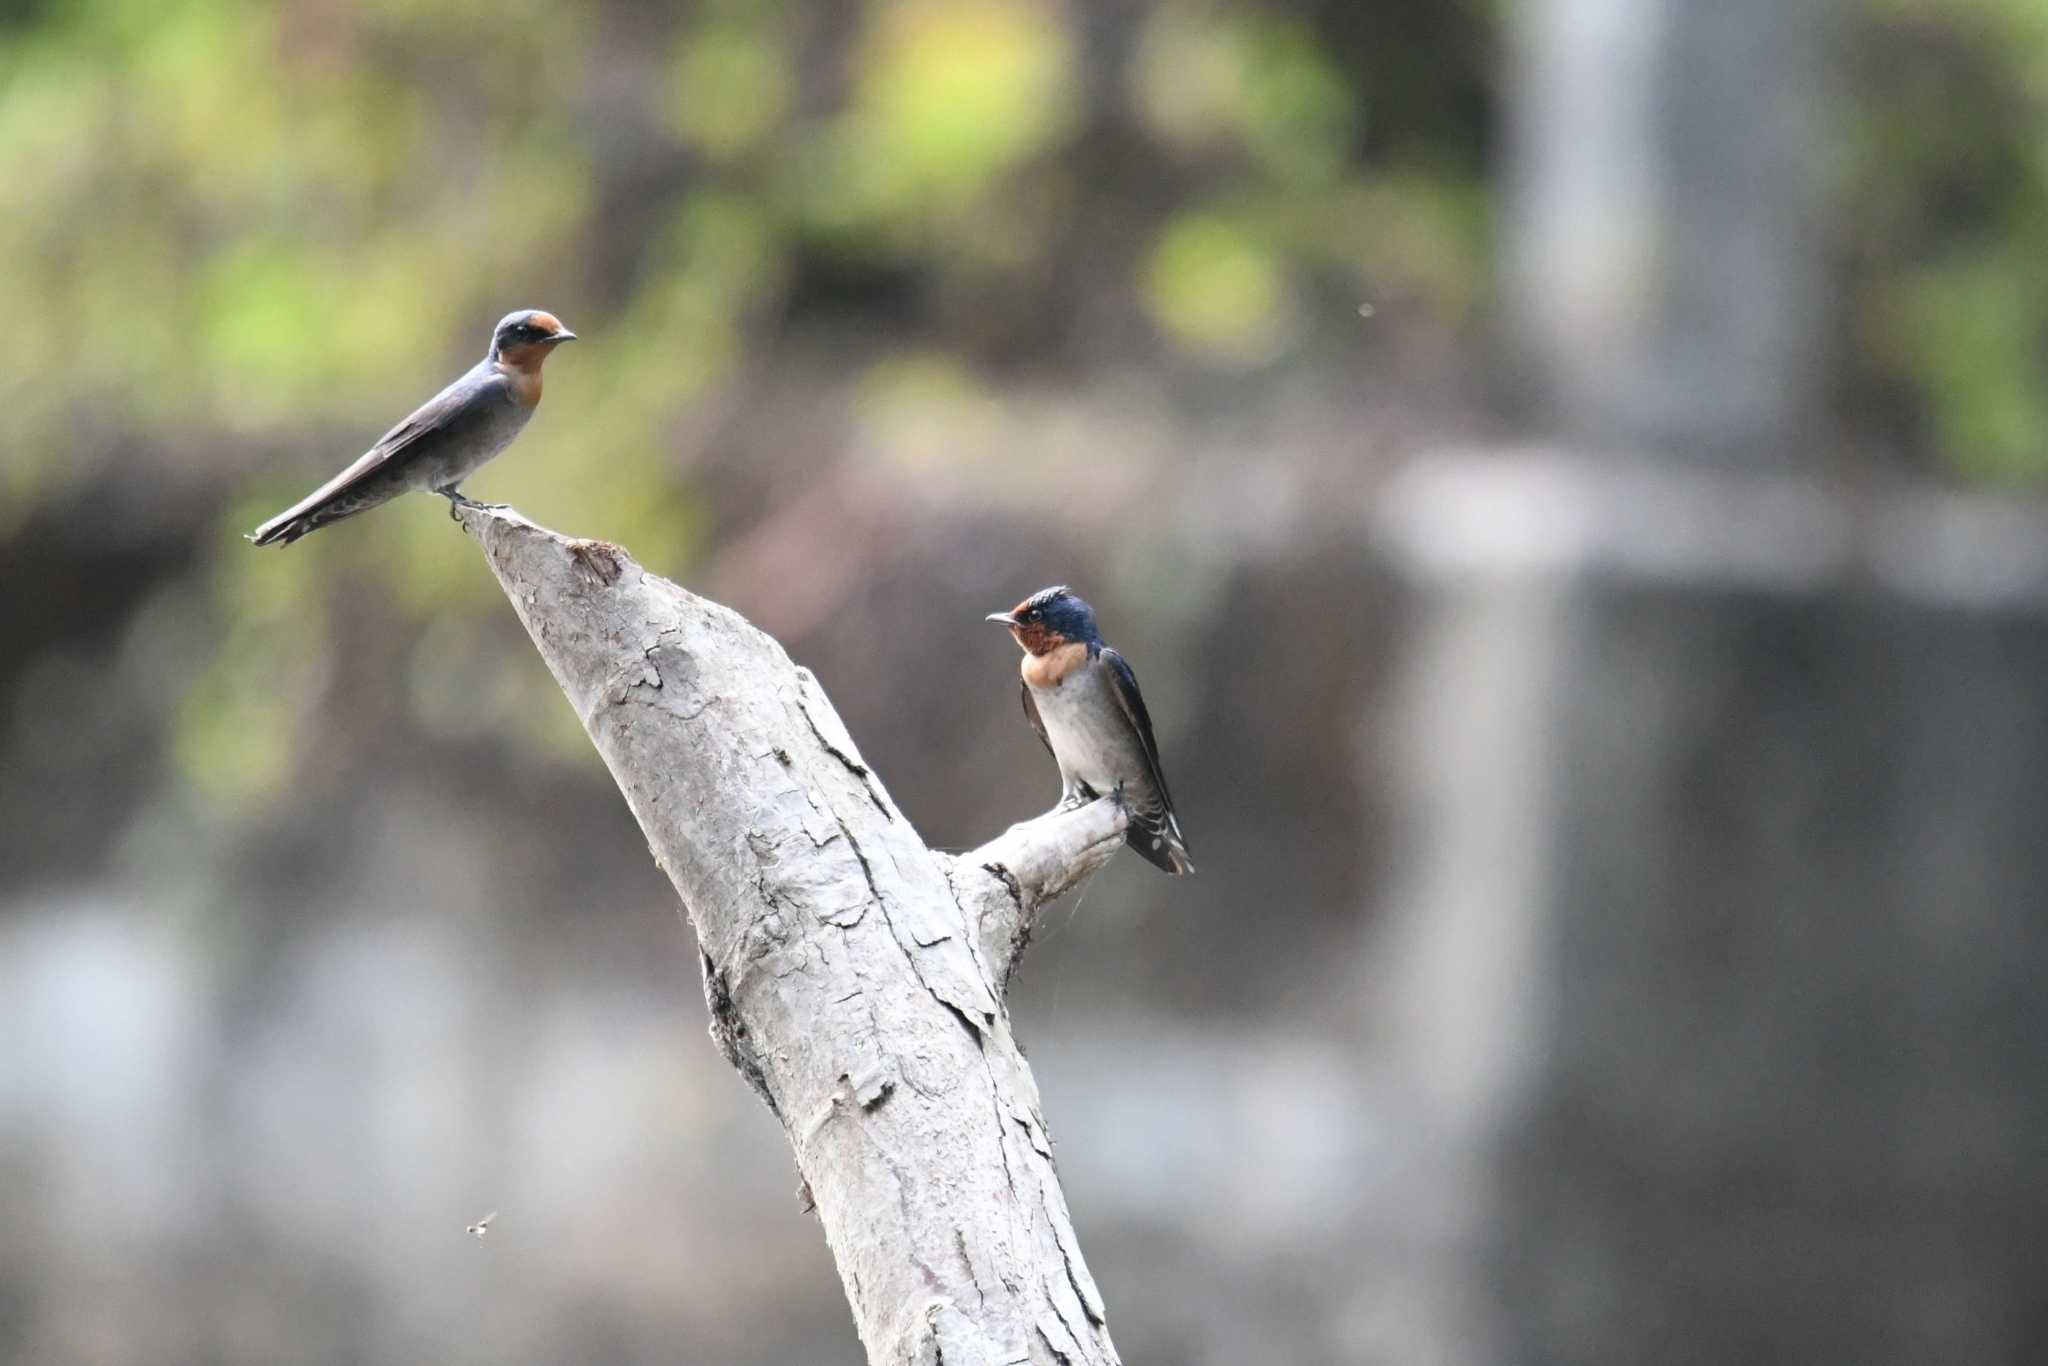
(855, 978)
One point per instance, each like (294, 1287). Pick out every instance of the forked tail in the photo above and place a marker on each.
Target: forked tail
(316, 511)
(1156, 836)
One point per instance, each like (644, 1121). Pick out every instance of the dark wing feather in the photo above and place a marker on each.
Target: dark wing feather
(440, 413)
(1031, 715)
(1133, 703)
(1165, 825)
(450, 408)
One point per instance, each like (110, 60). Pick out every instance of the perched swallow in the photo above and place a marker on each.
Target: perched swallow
(1083, 701)
(445, 441)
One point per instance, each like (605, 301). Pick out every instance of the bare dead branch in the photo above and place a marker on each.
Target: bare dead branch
(855, 978)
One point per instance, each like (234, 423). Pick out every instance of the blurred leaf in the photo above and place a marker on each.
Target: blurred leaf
(1204, 76)
(1978, 330)
(948, 97)
(952, 91)
(1944, 200)
(732, 84)
(1218, 292)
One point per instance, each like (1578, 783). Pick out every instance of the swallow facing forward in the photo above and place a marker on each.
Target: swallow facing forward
(1083, 701)
(444, 442)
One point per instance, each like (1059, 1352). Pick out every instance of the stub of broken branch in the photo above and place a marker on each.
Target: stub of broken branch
(855, 977)
(1002, 885)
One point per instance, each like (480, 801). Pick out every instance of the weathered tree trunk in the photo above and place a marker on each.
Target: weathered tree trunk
(855, 978)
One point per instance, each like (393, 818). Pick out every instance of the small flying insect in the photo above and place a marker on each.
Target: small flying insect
(483, 1225)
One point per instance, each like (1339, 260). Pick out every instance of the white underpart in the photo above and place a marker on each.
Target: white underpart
(1093, 740)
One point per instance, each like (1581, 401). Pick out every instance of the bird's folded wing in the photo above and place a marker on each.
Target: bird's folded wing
(1133, 703)
(1031, 715)
(449, 409)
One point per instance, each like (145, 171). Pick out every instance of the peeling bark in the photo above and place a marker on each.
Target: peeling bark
(855, 978)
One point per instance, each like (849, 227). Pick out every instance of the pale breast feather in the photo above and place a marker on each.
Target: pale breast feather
(1055, 666)
(1088, 732)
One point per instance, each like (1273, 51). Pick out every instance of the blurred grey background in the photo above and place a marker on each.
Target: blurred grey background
(1566, 473)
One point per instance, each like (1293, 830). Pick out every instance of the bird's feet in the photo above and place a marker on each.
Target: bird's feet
(458, 500)
(1071, 800)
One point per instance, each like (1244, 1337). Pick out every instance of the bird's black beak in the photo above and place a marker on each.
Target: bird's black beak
(1002, 618)
(564, 335)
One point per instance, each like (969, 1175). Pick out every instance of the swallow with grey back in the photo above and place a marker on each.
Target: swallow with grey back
(445, 440)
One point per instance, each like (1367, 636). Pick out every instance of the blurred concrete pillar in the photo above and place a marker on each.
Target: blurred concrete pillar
(1715, 962)
(1667, 184)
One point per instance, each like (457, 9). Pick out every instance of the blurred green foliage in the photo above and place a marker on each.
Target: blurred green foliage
(1946, 189)
(242, 237)
(252, 234)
